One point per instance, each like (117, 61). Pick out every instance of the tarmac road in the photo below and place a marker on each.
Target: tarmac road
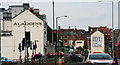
(49, 64)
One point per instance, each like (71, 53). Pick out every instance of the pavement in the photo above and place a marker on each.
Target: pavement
(47, 64)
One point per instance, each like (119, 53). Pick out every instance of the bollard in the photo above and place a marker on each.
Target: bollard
(59, 61)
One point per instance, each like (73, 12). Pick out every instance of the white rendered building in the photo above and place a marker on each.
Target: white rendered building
(79, 43)
(25, 21)
(97, 42)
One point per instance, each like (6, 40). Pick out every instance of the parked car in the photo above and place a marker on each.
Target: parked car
(67, 58)
(4, 59)
(80, 57)
(49, 55)
(99, 58)
(73, 58)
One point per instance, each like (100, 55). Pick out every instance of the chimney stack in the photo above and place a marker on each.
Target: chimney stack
(26, 6)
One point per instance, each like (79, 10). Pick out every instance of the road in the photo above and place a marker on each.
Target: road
(49, 64)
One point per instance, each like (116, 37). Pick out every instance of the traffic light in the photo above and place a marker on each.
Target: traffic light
(61, 44)
(55, 37)
(27, 38)
(110, 44)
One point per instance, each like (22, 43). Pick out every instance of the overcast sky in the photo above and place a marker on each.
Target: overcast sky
(55, 0)
(81, 13)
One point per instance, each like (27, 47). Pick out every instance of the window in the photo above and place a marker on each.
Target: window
(105, 57)
(78, 42)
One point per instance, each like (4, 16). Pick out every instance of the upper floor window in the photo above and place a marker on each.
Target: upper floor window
(78, 42)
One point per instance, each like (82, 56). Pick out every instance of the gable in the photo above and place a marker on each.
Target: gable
(26, 16)
(97, 33)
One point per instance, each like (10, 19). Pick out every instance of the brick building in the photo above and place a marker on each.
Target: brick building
(117, 43)
(70, 37)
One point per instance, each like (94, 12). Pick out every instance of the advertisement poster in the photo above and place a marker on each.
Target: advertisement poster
(97, 42)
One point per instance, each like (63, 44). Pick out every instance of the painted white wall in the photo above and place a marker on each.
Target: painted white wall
(7, 25)
(97, 48)
(10, 43)
(7, 46)
(79, 43)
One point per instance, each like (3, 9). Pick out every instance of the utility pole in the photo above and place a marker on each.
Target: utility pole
(53, 24)
(53, 29)
(112, 19)
(112, 30)
(0, 41)
(53, 14)
(25, 41)
(57, 28)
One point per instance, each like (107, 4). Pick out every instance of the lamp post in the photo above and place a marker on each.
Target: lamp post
(57, 26)
(112, 19)
(25, 41)
(0, 37)
(112, 31)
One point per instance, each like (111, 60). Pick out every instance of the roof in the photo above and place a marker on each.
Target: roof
(69, 33)
(39, 16)
(18, 14)
(16, 6)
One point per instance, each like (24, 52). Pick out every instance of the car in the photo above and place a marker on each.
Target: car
(67, 58)
(73, 58)
(99, 58)
(79, 57)
(6, 60)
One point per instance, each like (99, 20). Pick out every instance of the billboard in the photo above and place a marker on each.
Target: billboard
(97, 42)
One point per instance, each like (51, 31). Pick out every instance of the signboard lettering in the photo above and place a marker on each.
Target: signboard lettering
(27, 23)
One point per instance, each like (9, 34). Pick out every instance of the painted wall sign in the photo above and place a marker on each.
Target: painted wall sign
(27, 23)
(97, 42)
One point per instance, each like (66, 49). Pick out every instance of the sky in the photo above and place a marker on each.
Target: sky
(80, 13)
(55, 0)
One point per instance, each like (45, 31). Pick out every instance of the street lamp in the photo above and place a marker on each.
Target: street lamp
(112, 31)
(57, 26)
(112, 19)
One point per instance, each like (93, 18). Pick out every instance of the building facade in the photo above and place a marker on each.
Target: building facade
(17, 20)
(16, 9)
(117, 44)
(72, 38)
(26, 21)
(107, 36)
(79, 43)
(1, 18)
(97, 42)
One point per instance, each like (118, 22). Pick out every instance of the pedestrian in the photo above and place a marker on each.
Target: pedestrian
(39, 57)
